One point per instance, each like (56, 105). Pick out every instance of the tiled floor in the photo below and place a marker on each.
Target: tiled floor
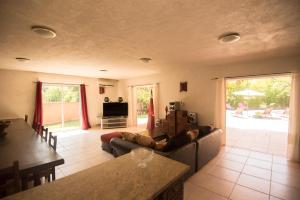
(82, 149)
(240, 174)
(235, 173)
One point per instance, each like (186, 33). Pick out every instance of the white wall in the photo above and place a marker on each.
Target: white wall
(17, 92)
(200, 96)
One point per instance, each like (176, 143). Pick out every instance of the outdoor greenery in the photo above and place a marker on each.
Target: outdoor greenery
(143, 97)
(67, 124)
(275, 90)
(54, 93)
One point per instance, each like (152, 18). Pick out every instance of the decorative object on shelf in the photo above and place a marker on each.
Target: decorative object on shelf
(174, 105)
(101, 90)
(166, 109)
(142, 156)
(120, 99)
(106, 99)
(183, 86)
(192, 118)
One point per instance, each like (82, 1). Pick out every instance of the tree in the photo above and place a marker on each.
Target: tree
(276, 92)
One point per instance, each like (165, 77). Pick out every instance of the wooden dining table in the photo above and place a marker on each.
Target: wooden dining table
(23, 144)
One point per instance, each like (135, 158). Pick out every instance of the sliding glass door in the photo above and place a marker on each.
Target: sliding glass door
(61, 107)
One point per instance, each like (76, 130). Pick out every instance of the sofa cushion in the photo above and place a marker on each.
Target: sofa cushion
(178, 141)
(145, 141)
(129, 136)
(105, 138)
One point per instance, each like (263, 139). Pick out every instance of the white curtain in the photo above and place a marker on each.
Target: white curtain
(294, 121)
(155, 100)
(220, 108)
(132, 120)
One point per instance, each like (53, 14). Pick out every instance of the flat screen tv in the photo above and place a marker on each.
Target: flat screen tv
(115, 109)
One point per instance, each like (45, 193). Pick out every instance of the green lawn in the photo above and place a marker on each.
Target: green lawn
(67, 124)
(142, 116)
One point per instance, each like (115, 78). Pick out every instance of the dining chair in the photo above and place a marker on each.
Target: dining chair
(48, 174)
(9, 180)
(52, 141)
(38, 129)
(26, 118)
(44, 133)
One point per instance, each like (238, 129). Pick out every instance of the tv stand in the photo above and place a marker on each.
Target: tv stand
(113, 122)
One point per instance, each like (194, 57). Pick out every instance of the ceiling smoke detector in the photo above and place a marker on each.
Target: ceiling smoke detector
(229, 37)
(21, 59)
(103, 70)
(145, 60)
(44, 32)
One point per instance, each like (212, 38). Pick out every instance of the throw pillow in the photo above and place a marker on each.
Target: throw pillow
(178, 141)
(145, 141)
(131, 137)
(193, 134)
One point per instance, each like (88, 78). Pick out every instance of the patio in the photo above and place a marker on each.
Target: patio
(267, 135)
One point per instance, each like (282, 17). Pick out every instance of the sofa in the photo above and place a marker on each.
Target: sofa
(195, 154)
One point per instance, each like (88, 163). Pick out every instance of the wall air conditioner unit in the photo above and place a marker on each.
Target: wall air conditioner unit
(104, 82)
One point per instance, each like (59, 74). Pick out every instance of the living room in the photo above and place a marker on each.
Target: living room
(111, 50)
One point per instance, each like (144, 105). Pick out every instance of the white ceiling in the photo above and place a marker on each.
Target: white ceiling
(113, 34)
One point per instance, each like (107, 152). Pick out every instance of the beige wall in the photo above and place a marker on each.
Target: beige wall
(200, 96)
(17, 92)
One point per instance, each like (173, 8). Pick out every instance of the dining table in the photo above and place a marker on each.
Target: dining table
(23, 144)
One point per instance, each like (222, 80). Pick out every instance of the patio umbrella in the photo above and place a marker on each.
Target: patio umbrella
(150, 123)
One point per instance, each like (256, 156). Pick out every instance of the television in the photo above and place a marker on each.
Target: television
(115, 109)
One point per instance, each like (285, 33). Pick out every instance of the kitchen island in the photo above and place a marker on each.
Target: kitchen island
(117, 179)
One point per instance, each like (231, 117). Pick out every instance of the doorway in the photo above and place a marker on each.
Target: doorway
(257, 113)
(61, 107)
(143, 95)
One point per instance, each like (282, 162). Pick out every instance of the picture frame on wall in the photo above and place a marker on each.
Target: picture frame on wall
(183, 86)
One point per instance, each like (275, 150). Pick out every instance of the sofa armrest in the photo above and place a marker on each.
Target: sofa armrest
(185, 154)
(208, 147)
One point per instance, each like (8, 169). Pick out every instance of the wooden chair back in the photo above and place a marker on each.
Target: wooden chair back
(26, 118)
(38, 129)
(10, 180)
(44, 133)
(52, 141)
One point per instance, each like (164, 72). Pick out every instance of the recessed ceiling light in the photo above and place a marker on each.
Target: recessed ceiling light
(229, 37)
(21, 59)
(145, 60)
(103, 70)
(44, 32)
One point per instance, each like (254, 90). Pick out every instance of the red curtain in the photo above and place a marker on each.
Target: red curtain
(85, 119)
(38, 112)
(151, 119)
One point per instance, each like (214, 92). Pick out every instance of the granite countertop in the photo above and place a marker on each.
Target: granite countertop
(113, 180)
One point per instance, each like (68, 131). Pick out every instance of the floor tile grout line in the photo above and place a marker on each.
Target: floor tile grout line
(271, 178)
(238, 177)
(212, 191)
